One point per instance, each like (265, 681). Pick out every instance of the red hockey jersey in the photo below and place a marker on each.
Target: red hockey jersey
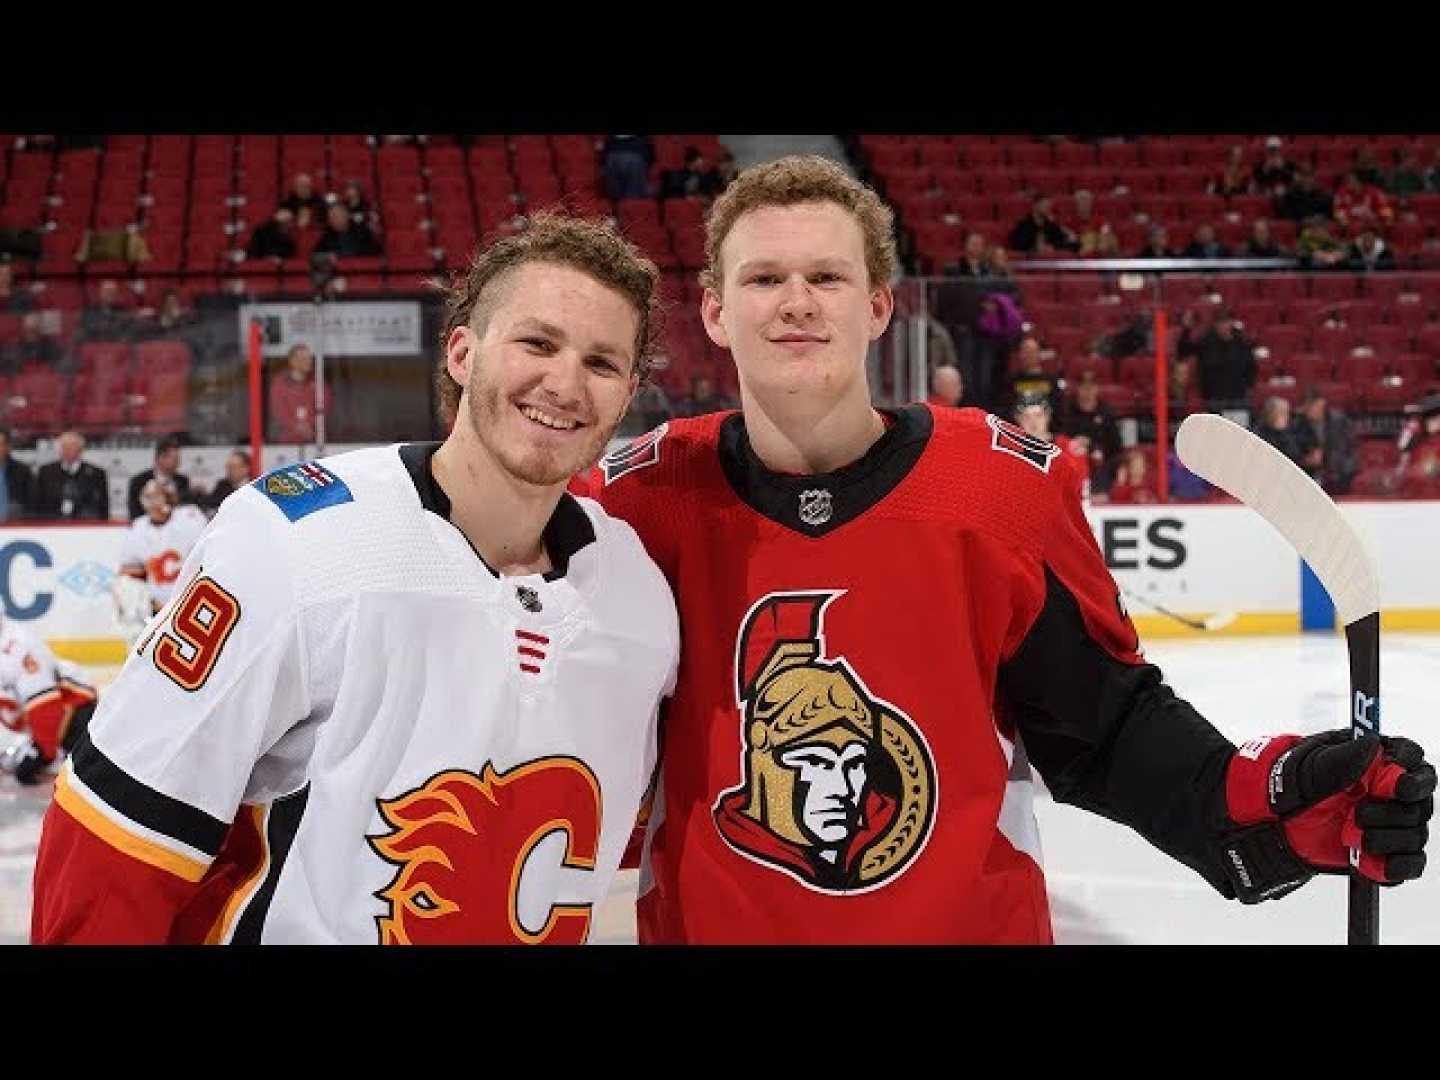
(870, 659)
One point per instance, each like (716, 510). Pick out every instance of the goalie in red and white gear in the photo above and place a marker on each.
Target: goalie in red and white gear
(154, 549)
(44, 698)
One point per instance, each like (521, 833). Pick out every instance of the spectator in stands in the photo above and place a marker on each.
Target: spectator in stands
(1038, 233)
(353, 198)
(1305, 198)
(973, 262)
(1274, 173)
(173, 316)
(1234, 179)
(625, 163)
(237, 475)
(292, 399)
(1432, 174)
(694, 178)
(1274, 427)
(71, 489)
(32, 348)
(166, 469)
(1261, 244)
(1204, 245)
(1367, 252)
(1226, 360)
(704, 398)
(1096, 236)
(947, 386)
(16, 482)
(106, 319)
(1358, 203)
(1317, 246)
(998, 259)
(1085, 414)
(1132, 483)
(1184, 394)
(305, 203)
(275, 238)
(1326, 443)
(1406, 178)
(343, 238)
(13, 298)
(1157, 244)
(1030, 379)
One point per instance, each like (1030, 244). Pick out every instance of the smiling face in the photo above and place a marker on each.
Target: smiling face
(796, 307)
(548, 369)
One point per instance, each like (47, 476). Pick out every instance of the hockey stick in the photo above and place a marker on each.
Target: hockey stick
(1265, 480)
(1218, 621)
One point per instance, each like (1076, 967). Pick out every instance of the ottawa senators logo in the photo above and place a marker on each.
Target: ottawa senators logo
(838, 786)
(494, 859)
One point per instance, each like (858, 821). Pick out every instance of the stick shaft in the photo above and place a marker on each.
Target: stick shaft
(1363, 638)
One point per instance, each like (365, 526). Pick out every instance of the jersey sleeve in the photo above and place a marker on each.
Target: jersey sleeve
(217, 681)
(1100, 724)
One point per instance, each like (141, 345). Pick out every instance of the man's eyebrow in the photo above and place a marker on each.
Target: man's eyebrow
(827, 262)
(540, 326)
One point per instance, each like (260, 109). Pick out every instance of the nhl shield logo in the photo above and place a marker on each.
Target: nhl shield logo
(815, 506)
(529, 598)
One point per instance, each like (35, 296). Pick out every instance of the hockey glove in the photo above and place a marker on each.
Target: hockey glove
(1301, 805)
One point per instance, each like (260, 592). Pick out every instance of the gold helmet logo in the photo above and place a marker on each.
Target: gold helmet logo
(838, 788)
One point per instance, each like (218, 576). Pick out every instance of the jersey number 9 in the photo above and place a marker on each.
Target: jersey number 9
(201, 624)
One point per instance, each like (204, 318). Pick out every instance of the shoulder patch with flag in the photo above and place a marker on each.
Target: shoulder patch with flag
(302, 489)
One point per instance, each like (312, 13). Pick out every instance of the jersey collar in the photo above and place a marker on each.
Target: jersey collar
(567, 532)
(820, 503)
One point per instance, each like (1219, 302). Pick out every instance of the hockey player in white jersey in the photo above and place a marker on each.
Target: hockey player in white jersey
(45, 700)
(152, 553)
(406, 694)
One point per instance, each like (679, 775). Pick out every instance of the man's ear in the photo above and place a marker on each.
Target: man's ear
(460, 354)
(710, 308)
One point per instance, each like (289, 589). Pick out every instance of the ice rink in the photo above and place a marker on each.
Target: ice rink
(1107, 886)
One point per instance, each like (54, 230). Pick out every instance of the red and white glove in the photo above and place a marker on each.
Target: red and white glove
(1302, 804)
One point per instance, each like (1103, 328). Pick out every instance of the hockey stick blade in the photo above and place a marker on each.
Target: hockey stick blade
(1236, 461)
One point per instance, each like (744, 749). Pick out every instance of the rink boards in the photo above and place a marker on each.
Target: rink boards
(1195, 561)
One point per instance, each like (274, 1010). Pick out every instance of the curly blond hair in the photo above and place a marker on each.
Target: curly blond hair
(593, 247)
(802, 179)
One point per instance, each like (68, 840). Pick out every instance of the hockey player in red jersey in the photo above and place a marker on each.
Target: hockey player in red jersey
(889, 614)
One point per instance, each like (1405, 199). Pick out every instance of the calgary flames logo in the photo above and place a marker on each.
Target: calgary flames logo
(838, 787)
(499, 858)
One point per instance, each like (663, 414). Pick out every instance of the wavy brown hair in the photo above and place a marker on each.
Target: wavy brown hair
(593, 247)
(802, 179)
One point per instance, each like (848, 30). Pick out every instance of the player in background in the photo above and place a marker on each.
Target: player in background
(889, 614)
(405, 694)
(153, 551)
(45, 698)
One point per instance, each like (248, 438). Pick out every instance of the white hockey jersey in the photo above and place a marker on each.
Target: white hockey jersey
(410, 748)
(160, 550)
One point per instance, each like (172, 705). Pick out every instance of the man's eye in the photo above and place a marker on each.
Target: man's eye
(826, 278)
(538, 343)
(764, 279)
(600, 363)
